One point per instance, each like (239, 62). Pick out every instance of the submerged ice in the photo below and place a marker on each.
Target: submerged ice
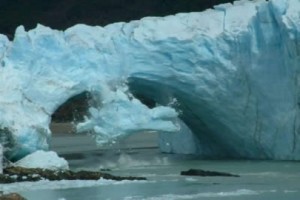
(233, 71)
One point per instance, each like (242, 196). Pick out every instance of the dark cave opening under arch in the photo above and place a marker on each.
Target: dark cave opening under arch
(73, 109)
(70, 112)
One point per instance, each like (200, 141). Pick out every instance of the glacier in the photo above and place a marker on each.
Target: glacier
(232, 71)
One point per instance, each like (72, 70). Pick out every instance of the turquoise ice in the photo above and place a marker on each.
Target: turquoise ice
(234, 71)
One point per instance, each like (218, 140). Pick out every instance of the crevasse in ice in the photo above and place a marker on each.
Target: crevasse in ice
(233, 71)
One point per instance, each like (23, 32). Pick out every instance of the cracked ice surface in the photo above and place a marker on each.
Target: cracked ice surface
(233, 69)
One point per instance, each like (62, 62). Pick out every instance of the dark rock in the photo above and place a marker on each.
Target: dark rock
(19, 174)
(200, 172)
(12, 196)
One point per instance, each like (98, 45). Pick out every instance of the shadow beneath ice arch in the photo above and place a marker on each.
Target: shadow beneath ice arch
(196, 119)
(73, 110)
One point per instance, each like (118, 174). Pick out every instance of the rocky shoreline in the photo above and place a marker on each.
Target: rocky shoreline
(20, 174)
(12, 196)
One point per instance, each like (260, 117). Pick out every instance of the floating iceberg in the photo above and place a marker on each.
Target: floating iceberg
(233, 71)
(44, 160)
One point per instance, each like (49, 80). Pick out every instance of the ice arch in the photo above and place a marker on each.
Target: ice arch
(236, 78)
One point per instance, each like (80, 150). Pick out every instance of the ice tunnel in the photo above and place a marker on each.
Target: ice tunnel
(234, 80)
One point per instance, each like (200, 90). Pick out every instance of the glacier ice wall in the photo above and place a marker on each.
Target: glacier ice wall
(233, 69)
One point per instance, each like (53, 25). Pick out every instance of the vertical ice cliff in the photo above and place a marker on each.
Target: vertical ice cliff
(233, 71)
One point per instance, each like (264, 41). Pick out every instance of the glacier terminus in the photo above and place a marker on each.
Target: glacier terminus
(226, 81)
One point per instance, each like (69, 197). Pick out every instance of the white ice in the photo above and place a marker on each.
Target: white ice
(44, 160)
(234, 71)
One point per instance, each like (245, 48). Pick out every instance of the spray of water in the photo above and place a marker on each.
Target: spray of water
(128, 161)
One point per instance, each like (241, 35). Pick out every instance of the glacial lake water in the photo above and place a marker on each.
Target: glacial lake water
(259, 179)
